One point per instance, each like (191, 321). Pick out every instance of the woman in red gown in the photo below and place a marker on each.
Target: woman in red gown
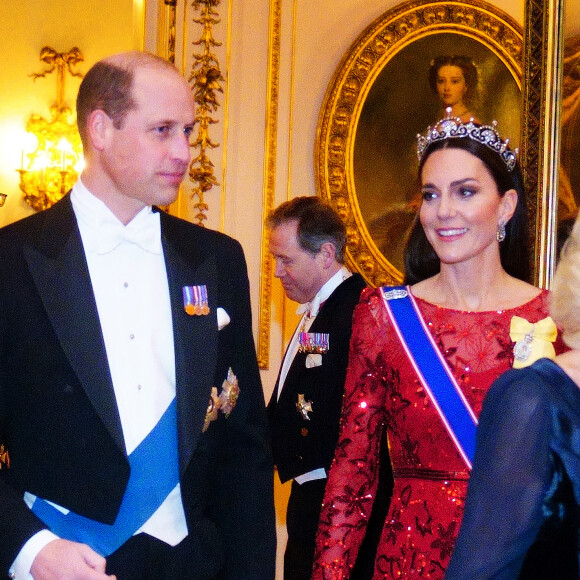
(467, 261)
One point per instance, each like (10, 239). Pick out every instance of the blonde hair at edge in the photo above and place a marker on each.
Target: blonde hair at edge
(565, 304)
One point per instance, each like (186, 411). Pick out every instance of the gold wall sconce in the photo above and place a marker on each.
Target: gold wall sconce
(51, 169)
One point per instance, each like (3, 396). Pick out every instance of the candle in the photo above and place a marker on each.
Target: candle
(21, 159)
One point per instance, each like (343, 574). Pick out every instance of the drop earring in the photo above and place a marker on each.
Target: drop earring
(500, 233)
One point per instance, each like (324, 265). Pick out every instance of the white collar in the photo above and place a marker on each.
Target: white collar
(312, 307)
(101, 230)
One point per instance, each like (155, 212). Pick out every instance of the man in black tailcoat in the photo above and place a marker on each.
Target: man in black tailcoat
(307, 241)
(130, 396)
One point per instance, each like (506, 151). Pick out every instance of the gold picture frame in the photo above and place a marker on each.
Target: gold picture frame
(540, 154)
(402, 39)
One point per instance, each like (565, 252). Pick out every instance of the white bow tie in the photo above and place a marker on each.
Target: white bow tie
(146, 234)
(311, 308)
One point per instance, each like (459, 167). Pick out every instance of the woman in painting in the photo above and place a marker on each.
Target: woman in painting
(526, 526)
(440, 341)
(455, 81)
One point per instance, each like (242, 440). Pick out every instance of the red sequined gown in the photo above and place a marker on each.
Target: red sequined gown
(430, 476)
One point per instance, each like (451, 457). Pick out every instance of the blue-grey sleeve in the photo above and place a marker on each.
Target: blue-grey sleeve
(512, 470)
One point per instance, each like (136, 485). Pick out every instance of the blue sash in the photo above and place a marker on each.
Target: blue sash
(154, 474)
(432, 370)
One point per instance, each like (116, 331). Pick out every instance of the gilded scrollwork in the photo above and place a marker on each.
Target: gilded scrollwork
(263, 346)
(339, 119)
(206, 79)
(170, 20)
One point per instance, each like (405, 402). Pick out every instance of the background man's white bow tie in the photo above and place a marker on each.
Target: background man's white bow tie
(311, 308)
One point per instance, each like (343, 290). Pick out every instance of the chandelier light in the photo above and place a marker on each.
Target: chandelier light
(52, 167)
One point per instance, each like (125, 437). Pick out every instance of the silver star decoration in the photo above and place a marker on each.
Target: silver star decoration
(304, 407)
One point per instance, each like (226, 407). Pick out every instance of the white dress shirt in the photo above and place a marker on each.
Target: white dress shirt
(129, 280)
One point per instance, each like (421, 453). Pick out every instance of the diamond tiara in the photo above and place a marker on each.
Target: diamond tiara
(453, 128)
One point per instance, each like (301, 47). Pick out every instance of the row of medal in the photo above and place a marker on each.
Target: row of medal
(195, 300)
(313, 342)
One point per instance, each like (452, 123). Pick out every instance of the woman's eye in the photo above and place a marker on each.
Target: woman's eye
(466, 192)
(428, 195)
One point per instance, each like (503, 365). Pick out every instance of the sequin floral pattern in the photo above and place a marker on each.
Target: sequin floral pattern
(430, 475)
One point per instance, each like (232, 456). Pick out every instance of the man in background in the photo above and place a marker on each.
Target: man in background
(130, 396)
(307, 241)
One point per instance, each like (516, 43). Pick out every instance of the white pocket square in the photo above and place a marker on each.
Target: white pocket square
(313, 360)
(222, 318)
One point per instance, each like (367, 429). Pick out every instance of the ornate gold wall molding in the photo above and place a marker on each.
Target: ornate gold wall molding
(270, 158)
(540, 153)
(169, 25)
(206, 79)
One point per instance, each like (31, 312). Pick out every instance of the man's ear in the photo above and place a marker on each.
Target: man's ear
(99, 125)
(328, 252)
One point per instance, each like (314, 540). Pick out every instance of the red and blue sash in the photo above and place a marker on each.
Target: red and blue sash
(431, 369)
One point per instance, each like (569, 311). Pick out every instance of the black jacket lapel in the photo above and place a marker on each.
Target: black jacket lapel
(59, 269)
(195, 336)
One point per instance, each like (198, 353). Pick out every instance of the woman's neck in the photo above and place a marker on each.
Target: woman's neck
(459, 109)
(460, 292)
(461, 287)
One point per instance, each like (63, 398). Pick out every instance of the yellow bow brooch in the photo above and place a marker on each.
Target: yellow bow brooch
(533, 340)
